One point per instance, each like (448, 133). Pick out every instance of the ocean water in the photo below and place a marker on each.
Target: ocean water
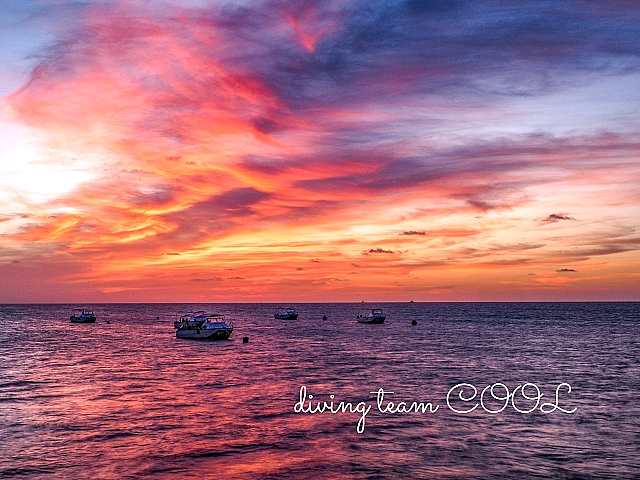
(126, 399)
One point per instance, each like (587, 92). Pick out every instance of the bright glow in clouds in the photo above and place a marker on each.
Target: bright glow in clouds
(321, 151)
(25, 175)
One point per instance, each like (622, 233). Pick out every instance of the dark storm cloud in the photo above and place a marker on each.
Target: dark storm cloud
(385, 50)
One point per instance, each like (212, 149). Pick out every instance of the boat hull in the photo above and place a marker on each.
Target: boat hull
(286, 316)
(205, 334)
(376, 320)
(82, 320)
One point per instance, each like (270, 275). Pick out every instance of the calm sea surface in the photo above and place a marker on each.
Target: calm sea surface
(127, 399)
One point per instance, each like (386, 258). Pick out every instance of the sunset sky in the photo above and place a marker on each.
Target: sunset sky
(223, 151)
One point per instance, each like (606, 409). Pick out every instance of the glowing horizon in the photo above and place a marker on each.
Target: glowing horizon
(319, 151)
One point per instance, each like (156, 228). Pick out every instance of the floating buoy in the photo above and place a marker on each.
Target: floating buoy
(324, 317)
(157, 318)
(245, 339)
(413, 322)
(108, 322)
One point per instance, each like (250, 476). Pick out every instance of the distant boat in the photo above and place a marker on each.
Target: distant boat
(288, 314)
(375, 315)
(203, 326)
(83, 316)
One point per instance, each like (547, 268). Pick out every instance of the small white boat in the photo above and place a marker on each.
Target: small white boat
(83, 316)
(203, 326)
(288, 314)
(375, 315)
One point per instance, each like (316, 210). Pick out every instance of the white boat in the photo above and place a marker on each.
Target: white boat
(375, 315)
(288, 314)
(203, 326)
(83, 316)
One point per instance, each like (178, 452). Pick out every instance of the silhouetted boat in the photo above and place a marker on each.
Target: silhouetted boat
(375, 315)
(83, 316)
(203, 326)
(288, 314)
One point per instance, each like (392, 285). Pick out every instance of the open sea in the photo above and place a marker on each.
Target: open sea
(124, 398)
